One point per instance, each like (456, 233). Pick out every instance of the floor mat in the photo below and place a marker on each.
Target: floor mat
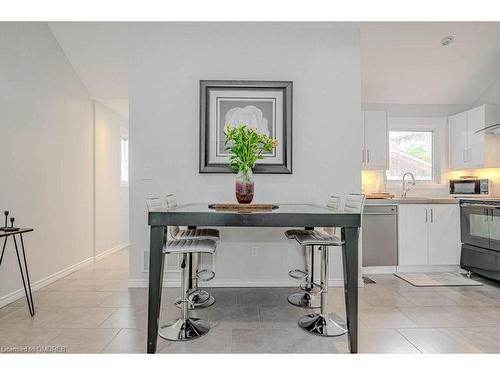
(437, 279)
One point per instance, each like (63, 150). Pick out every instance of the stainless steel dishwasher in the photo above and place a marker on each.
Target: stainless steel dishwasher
(380, 235)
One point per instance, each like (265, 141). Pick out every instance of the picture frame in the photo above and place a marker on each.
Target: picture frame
(265, 105)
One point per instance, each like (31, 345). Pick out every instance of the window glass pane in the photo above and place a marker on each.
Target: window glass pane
(124, 160)
(410, 151)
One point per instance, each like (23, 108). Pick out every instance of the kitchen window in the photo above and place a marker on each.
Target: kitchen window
(411, 151)
(124, 161)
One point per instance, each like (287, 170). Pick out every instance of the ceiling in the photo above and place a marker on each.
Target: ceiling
(98, 52)
(405, 63)
(402, 63)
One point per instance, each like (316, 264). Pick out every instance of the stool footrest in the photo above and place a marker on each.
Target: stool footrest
(205, 275)
(297, 274)
(311, 288)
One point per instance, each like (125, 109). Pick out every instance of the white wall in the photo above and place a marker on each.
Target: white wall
(418, 110)
(167, 61)
(46, 153)
(111, 198)
(491, 95)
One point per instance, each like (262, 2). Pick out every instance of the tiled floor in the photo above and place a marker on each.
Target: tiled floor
(93, 311)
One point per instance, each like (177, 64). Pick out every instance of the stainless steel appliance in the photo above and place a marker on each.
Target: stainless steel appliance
(380, 235)
(467, 186)
(480, 233)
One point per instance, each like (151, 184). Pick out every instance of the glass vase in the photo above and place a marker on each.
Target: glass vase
(244, 187)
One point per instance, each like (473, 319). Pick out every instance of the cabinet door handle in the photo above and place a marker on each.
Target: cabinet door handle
(368, 155)
(363, 155)
(463, 155)
(426, 216)
(432, 215)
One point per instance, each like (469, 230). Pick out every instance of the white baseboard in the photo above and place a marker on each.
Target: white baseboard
(14, 296)
(379, 270)
(167, 283)
(111, 251)
(17, 294)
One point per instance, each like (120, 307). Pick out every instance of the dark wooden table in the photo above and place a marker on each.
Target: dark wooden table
(26, 279)
(286, 216)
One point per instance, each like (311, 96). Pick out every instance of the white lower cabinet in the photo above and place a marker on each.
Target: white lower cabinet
(444, 234)
(428, 234)
(412, 235)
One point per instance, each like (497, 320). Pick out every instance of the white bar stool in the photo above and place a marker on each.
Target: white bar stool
(322, 323)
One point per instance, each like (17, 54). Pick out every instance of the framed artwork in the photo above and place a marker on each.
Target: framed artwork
(264, 105)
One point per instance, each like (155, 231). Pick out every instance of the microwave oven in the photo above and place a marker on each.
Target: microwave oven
(469, 186)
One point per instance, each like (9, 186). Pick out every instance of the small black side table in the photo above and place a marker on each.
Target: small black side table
(26, 281)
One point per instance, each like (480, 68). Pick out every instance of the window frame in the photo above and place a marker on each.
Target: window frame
(124, 138)
(438, 126)
(433, 149)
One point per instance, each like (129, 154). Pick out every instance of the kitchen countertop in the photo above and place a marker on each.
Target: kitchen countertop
(425, 200)
(413, 200)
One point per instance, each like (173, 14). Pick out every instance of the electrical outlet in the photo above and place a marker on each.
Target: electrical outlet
(254, 251)
(146, 173)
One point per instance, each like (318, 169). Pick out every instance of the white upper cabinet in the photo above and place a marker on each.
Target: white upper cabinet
(374, 154)
(469, 148)
(476, 142)
(457, 128)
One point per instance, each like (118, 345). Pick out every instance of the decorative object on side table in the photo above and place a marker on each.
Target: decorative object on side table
(6, 213)
(263, 105)
(246, 146)
(12, 228)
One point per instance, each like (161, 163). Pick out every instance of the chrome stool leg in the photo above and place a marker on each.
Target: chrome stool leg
(322, 324)
(307, 298)
(198, 298)
(185, 328)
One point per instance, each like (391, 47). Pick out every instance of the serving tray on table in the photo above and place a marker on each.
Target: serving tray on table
(243, 207)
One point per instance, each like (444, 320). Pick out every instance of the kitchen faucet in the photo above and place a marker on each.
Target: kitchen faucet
(407, 189)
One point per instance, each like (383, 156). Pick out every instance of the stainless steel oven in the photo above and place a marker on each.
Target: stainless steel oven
(480, 233)
(469, 186)
(480, 224)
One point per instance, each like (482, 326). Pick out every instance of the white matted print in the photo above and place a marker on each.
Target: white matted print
(256, 109)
